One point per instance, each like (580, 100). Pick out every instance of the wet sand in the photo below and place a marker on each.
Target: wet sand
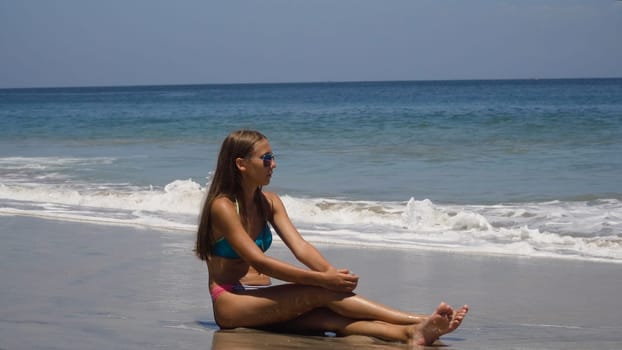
(69, 285)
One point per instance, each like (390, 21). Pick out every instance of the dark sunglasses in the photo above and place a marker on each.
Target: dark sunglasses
(267, 159)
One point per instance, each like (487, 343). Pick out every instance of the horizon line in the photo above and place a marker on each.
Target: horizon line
(298, 82)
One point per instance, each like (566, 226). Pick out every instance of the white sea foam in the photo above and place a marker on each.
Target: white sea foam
(576, 230)
(45, 169)
(581, 230)
(42, 163)
(180, 196)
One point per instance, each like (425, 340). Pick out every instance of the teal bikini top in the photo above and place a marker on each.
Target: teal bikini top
(223, 249)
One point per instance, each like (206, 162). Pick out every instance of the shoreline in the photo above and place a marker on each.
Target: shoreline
(68, 284)
(367, 245)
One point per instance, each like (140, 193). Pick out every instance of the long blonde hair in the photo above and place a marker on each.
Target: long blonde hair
(226, 182)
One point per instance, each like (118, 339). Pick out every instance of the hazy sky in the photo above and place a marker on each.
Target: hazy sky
(137, 42)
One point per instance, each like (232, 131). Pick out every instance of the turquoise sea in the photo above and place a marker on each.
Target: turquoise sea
(510, 167)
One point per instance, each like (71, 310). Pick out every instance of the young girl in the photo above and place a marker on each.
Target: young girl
(233, 236)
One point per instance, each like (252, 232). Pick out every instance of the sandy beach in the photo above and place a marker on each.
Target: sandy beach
(69, 285)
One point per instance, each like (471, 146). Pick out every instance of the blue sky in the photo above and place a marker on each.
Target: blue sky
(140, 42)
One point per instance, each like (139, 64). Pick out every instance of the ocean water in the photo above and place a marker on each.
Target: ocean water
(511, 167)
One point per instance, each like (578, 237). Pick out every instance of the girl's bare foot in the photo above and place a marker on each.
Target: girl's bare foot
(445, 310)
(454, 317)
(457, 318)
(428, 331)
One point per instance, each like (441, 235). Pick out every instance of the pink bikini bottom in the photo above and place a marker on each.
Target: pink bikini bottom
(218, 289)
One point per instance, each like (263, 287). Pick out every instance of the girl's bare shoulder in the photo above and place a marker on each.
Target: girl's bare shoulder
(222, 205)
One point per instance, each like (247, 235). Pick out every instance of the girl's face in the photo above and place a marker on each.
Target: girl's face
(261, 163)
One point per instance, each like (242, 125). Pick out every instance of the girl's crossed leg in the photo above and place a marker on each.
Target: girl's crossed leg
(300, 308)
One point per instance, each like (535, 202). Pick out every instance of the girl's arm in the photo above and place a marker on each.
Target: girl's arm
(305, 252)
(225, 220)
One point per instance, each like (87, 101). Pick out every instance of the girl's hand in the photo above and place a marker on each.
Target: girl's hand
(340, 280)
